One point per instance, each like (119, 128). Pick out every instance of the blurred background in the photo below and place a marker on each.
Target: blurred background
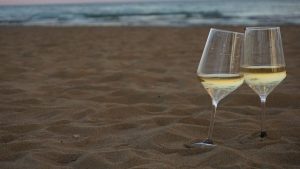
(149, 12)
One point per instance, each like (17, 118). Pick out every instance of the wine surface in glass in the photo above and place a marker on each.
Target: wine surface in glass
(263, 79)
(219, 86)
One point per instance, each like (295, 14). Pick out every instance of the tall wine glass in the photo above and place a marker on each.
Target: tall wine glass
(263, 63)
(219, 70)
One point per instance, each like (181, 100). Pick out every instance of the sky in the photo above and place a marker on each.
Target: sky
(25, 2)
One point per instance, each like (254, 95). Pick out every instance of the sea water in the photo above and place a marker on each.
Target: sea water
(173, 13)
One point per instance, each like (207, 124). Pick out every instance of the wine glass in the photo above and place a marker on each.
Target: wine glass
(263, 63)
(219, 71)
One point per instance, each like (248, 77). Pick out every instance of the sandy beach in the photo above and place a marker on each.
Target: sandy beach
(128, 97)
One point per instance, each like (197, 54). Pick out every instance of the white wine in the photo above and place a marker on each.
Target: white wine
(219, 86)
(263, 79)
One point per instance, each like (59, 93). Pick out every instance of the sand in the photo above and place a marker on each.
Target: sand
(99, 98)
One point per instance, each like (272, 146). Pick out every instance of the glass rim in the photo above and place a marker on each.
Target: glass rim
(263, 28)
(227, 31)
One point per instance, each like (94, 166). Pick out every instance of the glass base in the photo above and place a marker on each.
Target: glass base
(263, 134)
(205, 143)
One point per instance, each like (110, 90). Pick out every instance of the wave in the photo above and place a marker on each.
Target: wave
(235, 12)
(65, 17)
(208, 14)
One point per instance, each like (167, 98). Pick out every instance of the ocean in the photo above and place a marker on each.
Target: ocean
(175, 13)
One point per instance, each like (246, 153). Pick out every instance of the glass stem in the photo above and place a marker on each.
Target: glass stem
(212, 120)
(263, 132)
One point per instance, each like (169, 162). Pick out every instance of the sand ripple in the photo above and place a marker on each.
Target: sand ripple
(97, 98)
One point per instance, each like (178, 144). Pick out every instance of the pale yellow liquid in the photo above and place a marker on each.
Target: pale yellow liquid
(219, 86)
(263, 79)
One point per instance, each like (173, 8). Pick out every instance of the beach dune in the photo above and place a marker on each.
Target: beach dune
(128, 97)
